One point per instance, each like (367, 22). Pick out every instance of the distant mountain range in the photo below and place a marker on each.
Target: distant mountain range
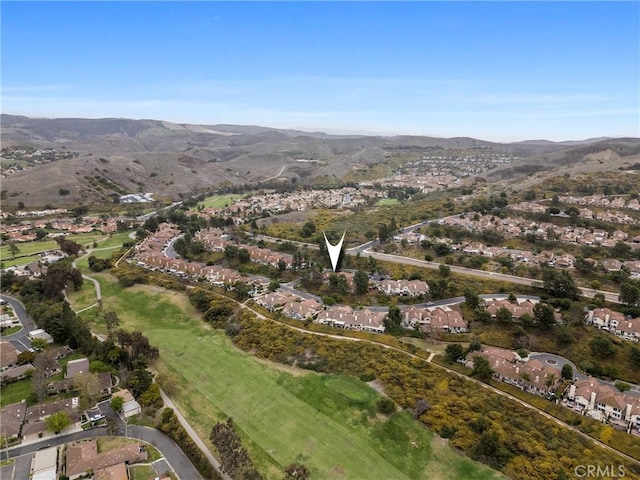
(117, 156)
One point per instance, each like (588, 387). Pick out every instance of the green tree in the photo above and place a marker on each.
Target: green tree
(296, 471)
(567, 372)
(38, 344)
(634, 355)
(361, 281)
(444, 270)
(481, 368)
(13, 249)
(112, 321)
(274, 285)
(383, 233)
(242, 290)
(26, 357)
(385, 405)
(544, 315)
(504, 315)
(151, 396)
(622, 386)
(630, 292)
(392, 320)
(117, 403)
(339, 283)
(57, 422)
(454, 352)
(481, 315)
(559, 283)
(602, 347)
(472, 299)
(308, 229)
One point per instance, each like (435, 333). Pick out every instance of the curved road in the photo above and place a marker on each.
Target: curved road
(20, 339)
(175, 457)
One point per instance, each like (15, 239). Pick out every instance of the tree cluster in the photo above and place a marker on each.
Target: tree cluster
(170, 425)
(486, 426)
(233, 456)
(98, 264)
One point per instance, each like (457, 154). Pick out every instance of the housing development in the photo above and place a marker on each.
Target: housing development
(521, 298)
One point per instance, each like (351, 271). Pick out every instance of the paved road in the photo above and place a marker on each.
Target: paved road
(365, 250)
(587, 292)
(20, 339)
(18, 470)
(175, 457)
(556, 361)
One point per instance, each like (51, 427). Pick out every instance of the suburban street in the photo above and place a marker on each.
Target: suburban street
(172, 453)
(20, 339)
(365, 250)
(175, 457)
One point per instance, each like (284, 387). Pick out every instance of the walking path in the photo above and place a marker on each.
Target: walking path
(194, 435)
(216, 464)
(461, 375)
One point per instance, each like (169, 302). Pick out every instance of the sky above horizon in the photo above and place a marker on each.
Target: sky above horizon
(500, 71)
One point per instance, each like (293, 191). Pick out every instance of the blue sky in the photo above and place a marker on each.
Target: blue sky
(501, 71)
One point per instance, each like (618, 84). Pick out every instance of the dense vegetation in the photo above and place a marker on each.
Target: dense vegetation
(484, 425)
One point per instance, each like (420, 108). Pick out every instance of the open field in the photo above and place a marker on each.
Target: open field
(387, 201)
(18, 261)
(84, 297)
(219, 201)
(29, 250)
(328, 422)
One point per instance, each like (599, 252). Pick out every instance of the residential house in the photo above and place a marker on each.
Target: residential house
(11, 420)
(301, 310)
(429, 319)
(528, 374)
(614, 322)
(603, 401)
(130, 407)
(517, 308)
(16, 373)
(611, 265)
(8, 356)
(41, 334)
(274, 300)
(633, 267)
(350, 319)
(35, 418)
(114, 472)
(82, 457)
(629, 329)
(411, 288)
(76, 367)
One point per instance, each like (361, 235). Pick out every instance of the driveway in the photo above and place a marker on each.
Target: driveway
(556, 361)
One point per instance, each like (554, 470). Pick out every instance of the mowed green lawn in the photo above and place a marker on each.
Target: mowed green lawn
(84, 297)
(219, 201)
(327, 422)
(29, 250)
